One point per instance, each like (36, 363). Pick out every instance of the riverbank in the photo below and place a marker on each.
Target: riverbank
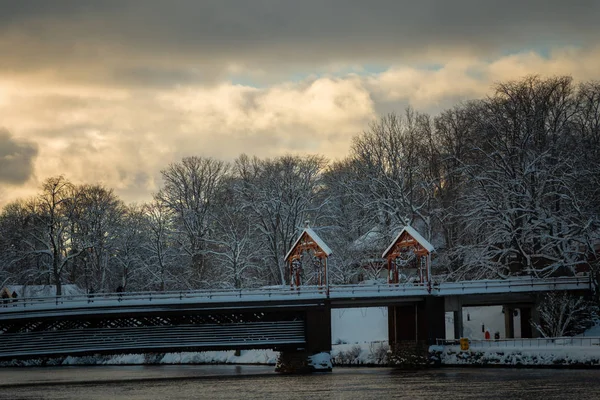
(374, 354)
(558, 357)
(365, 354)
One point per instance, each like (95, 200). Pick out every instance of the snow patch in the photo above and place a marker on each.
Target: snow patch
(268, 357)
(320, 362)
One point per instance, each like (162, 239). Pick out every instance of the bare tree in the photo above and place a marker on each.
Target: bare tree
(161, 248)
(17, 263)
(189, 190)
(562, 314)
(95, 221)
(280, 195)
(131, 255)
(50, 237)
(235, 245)
(397, 179)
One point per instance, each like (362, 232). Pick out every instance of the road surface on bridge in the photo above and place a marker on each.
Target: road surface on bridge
(342, 294)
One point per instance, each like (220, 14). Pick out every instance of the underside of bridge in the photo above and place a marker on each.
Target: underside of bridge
(419, 322)
(289, 329)
(526, 304)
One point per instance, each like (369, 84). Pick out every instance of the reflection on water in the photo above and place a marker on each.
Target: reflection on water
(259, 382)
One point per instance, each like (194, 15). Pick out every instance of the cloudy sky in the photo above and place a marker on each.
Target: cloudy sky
(113, 91)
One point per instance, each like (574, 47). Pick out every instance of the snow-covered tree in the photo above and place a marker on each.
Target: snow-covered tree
(235, 243)
(521, 206)
(280, 195)
(562, 314)
(189, 190)
(95, 222)
(50, 238)
(163, 269)
(131, 255)
(397, 173)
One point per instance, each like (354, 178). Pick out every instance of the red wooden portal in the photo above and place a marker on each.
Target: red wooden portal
(409, 252)
(308, 249)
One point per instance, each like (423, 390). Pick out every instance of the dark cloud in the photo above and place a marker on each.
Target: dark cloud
(175, 37)
(16, 159)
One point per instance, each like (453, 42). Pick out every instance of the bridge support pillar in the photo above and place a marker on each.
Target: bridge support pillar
(318, 330)
(316, 355)
(509, 325)
(526, 329)
(529, 316)
(418, 322)
(436, 318)
(454, 304)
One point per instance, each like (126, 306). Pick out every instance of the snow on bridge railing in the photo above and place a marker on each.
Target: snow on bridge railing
(516, 284)
(312, 292)
(567, 341)
(130, 297)
(511, 285)
(379, 290)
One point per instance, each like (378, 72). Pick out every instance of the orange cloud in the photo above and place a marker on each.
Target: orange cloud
(123, 136)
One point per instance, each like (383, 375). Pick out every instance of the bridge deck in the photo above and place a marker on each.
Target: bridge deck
(338, 295)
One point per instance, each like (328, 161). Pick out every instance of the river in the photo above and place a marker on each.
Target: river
(260, 382)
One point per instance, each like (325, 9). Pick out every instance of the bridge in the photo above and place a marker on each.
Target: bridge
(282, 318)
(295, 319)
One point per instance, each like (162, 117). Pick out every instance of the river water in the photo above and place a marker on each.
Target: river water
(260, 382)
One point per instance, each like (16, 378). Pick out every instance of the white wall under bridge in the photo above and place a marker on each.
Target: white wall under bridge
(479, 319)
(359, 325)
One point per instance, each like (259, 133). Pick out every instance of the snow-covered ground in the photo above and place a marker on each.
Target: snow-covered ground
(518, 355)
(345, 354)
(44, 291)
(583, 350)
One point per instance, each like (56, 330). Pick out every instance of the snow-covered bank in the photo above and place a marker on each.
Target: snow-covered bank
(572, 356)
(264, 357)
(345, 354)
(374, 353)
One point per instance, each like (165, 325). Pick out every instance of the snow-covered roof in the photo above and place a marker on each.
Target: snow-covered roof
(416, 235)
(313, 235)
(369, 241)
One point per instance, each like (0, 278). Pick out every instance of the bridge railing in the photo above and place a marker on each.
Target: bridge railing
(568, 341)
(335, 291)
(516, 284)
(407, 289)
(131, 297)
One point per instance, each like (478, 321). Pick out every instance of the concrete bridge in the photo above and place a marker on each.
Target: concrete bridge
(291, 320)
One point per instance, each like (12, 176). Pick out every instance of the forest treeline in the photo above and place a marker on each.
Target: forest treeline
(504, 185)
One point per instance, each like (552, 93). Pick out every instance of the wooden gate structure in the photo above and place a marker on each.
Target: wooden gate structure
(310, 249)
(409, 252)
